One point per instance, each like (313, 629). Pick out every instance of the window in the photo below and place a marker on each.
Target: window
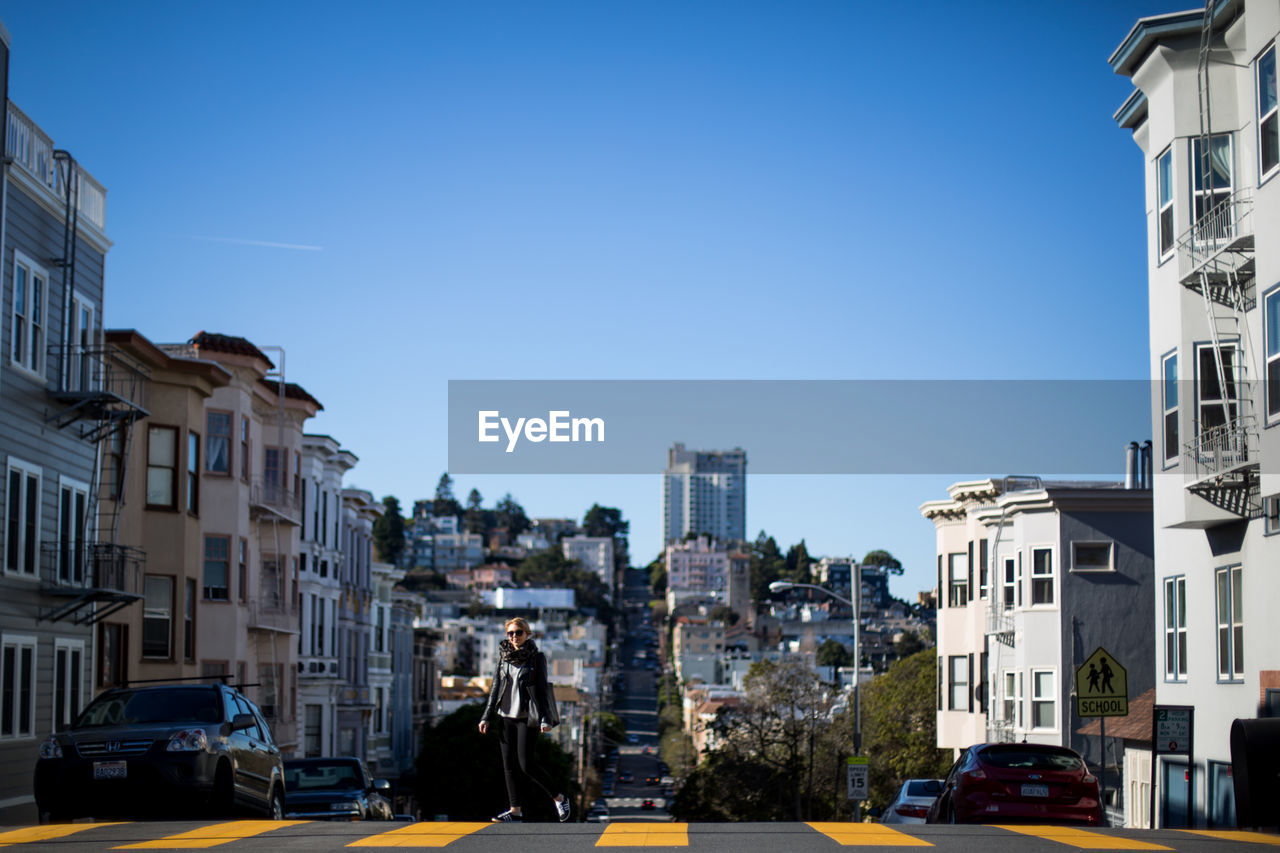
(157, 617)
(17, 686)
(68, 678)
(244, 570)
(380, 629)
(79, 366)
(1012, 703)
(1010, 583)
(1091, 557)
(1268, 122)
(1169, 393)
(113, 644)
(216, 559)
(1271, 515)
(1044, 703)
(1164, 184)
(1216, 403)
(939, 683)
(1230, 624)
(312, 728)
(22, 528)
(113, 475)
(958, 580)
(189, 621)
(244, 447)
(1216, 190)
(1175, 629)
(73, 502)
(1271, 372)
(958, 666)
(162, 467)
(30, 289)
(218, 446)
(1041, 576)
(193, 472)
(983, 546)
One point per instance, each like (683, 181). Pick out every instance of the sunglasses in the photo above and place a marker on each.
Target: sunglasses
(515, 633)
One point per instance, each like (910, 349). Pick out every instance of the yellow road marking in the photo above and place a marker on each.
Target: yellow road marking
(425, 834)
(47, 832)
(868, 835)
(644, 834)
(213, 835)
(1236, 835)
(1083, 838)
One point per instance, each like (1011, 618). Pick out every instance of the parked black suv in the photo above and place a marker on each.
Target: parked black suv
(334, 789)
(161, 748)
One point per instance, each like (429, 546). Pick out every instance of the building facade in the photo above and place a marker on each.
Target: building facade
(1203, 113)
(705, 492)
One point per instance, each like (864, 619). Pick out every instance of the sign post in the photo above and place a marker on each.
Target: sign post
(1172, 731)
(858, 782)
(1102, 690)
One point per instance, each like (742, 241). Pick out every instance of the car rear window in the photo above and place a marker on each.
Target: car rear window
(133, 707)
(1023, 758)
(327, 776)
(923, 788)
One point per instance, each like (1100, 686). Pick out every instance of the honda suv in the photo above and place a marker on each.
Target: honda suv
(155, 748)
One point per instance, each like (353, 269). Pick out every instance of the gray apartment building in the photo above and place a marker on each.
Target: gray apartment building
(705, 492)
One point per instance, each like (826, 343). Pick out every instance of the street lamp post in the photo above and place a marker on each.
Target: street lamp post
(855, 593)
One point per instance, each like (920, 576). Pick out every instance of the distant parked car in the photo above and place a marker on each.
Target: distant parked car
(1018, 781)
(911, 805)
(334, 789)
(162, 748)
(626, 776)
(652, 780)
(648, 805)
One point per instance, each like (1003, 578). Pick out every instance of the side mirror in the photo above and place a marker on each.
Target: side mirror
(381, 785)
(242, 721)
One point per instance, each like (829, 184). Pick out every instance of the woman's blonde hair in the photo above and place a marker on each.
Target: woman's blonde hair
(520, 623)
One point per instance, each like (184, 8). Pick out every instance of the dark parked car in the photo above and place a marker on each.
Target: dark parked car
(913, 801)
(334, 789)
(157, 748)
(647, 806)
(1010, 782)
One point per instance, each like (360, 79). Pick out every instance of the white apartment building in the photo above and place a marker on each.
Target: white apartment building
(595, 553)
(705, 492)
(1204, 116)
(1032, 578)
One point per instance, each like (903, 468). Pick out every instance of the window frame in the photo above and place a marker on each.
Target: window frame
(212, 435)
(25, 562)
(1230, 630)
(1175, 628)
(1271, 515)
(193, 472)
(149, 613)
(26, 354)
(13, 705)
(1109, 544)
(1272, 115)
(1201, 402)
(173, 467)
(1171, 445)
(1197, 193)
(78, 369)
(68, 690)
(1165, 198)
(1038, 700)
(1271, 356)
(190, 595)
(1009, 582)
(958, 588)
(71, 563)
(114, 656)
(954, 683)
(1012, 699)
(1040, 578)
(206, 559)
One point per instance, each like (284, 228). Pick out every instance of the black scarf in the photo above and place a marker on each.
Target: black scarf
(522, 656)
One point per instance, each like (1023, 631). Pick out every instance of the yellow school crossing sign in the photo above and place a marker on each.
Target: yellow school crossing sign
(1102, 687)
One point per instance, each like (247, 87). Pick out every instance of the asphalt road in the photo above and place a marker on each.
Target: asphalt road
(570, 837)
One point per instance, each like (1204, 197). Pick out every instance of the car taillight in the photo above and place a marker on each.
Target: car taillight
(907, 810)
(188, 740)
(975, 775)
(51, 748)
(1089, 779)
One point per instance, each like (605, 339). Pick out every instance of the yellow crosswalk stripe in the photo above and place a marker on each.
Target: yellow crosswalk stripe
(868, 835)
(1236, 835)
(644, 834)
(212, 835)
(425, 834)
(1083, 838)
(28, 834)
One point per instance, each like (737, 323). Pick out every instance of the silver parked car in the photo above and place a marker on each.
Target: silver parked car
(913, 801)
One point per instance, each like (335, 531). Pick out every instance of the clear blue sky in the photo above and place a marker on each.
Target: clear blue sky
(559, 190)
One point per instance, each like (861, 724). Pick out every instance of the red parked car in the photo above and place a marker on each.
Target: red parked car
(1012, 782)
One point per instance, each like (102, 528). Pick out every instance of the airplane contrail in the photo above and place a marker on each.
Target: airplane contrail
(302, 247)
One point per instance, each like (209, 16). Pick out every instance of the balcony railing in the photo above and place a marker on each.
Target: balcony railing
(273, 495)
(98, 566)
(99, 382)
(1228, 225)
(32, 149)
(274, 616)
(1222, 449)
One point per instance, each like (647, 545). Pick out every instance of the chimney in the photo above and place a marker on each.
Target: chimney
(1131, 466)
(1144, 480)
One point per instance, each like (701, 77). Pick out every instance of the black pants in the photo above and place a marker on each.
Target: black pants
(517, 738)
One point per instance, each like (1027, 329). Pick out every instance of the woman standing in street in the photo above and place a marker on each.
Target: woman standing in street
(523, 701)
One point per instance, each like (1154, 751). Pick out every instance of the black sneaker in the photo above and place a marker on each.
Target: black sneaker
(562, 808)
(507, 817)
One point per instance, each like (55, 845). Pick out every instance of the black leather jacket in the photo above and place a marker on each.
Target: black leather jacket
(535, 693)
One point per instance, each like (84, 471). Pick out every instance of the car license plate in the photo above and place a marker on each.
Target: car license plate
(110, 769)
(1035, 790)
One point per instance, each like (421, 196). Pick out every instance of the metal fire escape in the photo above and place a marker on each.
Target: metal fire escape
(1216, 261)
(100, 391)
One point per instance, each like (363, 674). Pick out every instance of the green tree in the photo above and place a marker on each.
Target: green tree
(766, 566)
(511, 516)
(388, 531)
(880, 557)
(908, 644)
(474, 517)
(798, 564)
(657, 572)
(724, 613)
(611, 726)
(551, 568)
(833, 653)
(899, 725)
(445, 504)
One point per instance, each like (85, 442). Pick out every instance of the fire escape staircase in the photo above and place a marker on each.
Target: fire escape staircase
(1217, 262)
